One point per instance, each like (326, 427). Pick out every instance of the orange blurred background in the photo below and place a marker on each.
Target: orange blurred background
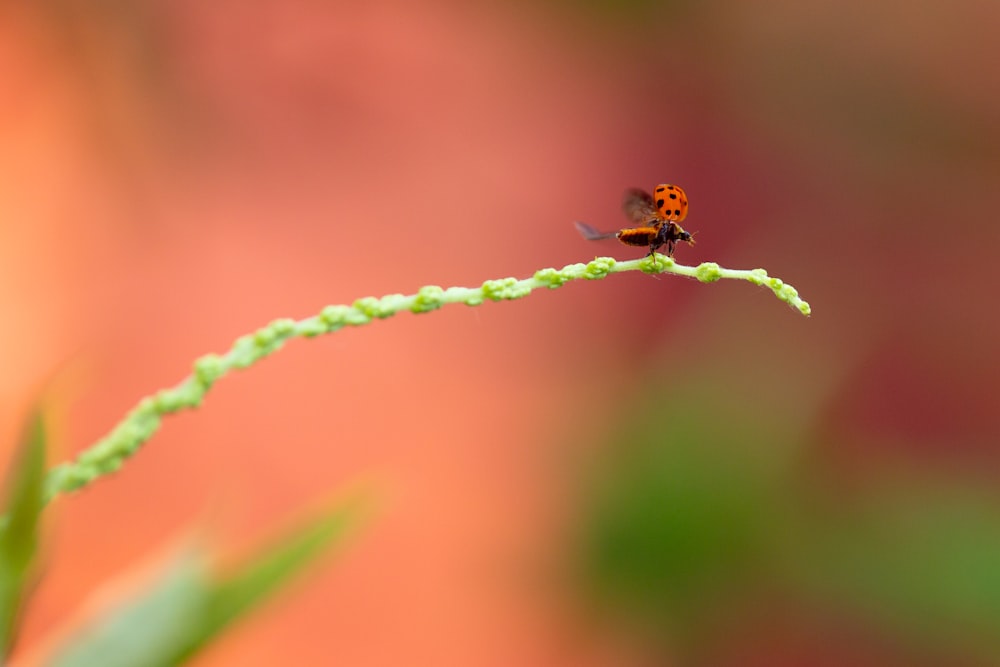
(175, 175)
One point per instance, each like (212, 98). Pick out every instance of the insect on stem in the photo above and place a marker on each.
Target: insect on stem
(657, 219)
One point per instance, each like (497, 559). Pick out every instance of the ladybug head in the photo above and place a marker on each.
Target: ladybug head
(687, 237)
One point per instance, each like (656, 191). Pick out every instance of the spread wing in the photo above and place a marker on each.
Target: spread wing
(638, 206)
(592, 234)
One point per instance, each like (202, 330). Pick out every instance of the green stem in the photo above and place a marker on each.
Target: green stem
(109, 453)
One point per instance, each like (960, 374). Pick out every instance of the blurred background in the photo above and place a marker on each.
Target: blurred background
(636, 471)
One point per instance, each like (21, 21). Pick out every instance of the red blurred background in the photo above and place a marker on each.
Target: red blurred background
(173, 176)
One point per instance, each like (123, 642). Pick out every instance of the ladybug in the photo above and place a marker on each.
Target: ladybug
(656, 218)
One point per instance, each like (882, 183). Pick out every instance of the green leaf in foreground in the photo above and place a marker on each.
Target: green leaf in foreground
(19, 533)
(235, 594)
(189, 606)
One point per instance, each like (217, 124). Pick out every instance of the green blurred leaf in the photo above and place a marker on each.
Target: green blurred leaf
(19, 531)
(151, 629)
(921, 561)
(236, 594)
(679, 510)
(190, 606)
(640, 12)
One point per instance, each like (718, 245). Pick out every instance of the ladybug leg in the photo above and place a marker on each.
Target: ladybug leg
(663, 239)
(654, 246)
(656, 243)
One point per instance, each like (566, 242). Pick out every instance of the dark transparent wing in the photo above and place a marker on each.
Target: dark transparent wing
(638, 206)
(591, 234)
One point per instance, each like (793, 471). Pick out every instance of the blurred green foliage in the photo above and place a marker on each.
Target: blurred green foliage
(19, 532)
(190, 605)
(182, 612)
(919, 557)
(679, 511)
(699, 504)
(637, 10)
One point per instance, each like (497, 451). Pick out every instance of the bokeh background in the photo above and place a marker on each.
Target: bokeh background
(636, 471)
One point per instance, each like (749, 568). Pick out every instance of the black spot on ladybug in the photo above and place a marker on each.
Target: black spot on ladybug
(659, 189)
(676, 212)
(670, 187)
(659, 203)
(673, 196)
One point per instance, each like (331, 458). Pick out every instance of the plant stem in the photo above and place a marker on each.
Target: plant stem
(139, 425)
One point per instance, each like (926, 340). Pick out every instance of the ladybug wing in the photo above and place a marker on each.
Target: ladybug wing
(638, 206)
(592, 234)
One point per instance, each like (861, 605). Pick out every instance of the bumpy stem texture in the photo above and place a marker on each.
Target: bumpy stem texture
(109, 453)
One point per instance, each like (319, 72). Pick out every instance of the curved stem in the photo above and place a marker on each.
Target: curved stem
(139, 425)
